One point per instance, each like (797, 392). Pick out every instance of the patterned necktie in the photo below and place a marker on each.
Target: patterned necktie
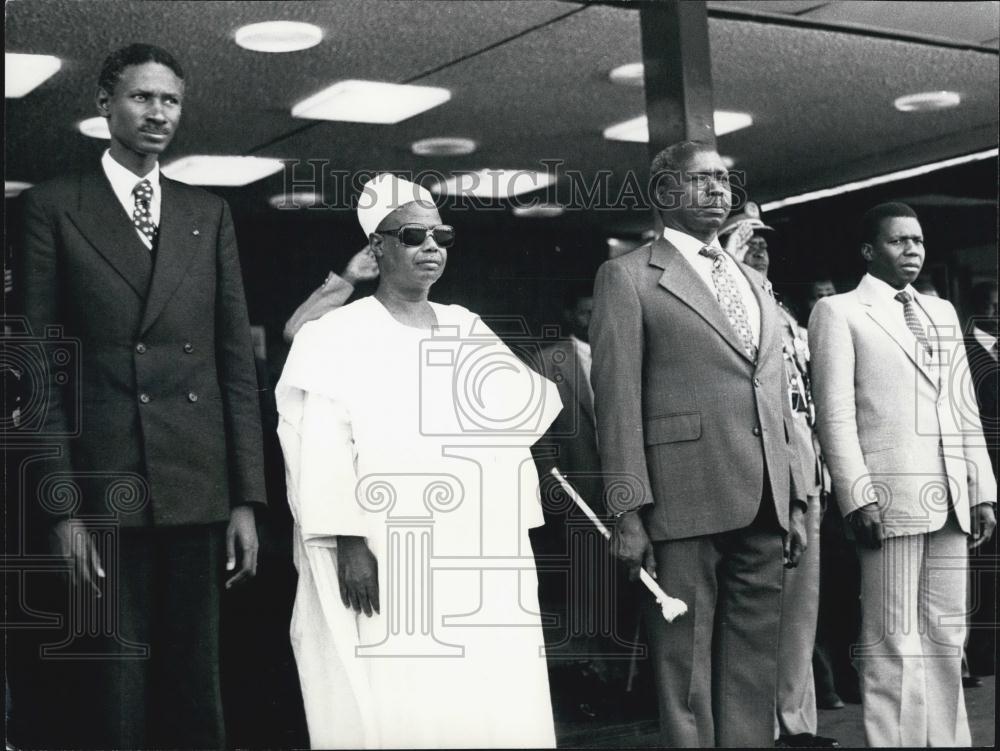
(912, 322)
(730, 299)
(141, 214)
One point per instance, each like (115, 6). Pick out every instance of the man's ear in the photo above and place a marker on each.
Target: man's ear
(375, 243)
(867, 251)
(103, 100)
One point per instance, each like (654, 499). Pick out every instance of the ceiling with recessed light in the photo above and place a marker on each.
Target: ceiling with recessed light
(529, 84)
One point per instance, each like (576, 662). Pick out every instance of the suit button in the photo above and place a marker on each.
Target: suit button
(140, 348)
(192, 397)
(144, 398)
(756, 381)
(756, 429)
(188, 347)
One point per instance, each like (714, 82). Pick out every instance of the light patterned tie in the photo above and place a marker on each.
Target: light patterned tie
(730, 299)
(913, 322)
(141, 214)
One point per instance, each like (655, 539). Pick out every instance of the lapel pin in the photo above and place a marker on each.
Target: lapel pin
(195, 232)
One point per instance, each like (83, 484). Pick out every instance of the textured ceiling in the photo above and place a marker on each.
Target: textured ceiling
(529, 83)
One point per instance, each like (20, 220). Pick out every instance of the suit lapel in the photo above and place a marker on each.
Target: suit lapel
(769, 321)
(101, 219)
(893, 323)
(683, 282)
(178, 221)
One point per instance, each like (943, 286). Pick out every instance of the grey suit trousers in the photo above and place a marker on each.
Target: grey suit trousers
(717, 665)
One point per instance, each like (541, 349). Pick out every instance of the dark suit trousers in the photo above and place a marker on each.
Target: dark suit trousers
(716, 666)
(156, 684)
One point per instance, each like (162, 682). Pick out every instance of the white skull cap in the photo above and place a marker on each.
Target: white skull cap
(385, 193)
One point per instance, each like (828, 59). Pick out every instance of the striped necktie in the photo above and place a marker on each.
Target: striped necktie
(913, 322)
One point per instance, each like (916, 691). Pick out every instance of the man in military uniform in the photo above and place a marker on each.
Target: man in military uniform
(795, 710)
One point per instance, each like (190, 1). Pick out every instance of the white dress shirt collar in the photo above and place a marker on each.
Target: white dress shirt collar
(690, 247)
(685, 243)
(986, 340)
(582, 348)
(123, 181)
(888, 292)
(887, 299)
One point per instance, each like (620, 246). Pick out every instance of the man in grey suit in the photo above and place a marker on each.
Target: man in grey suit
(905, 448)
(692, 418)
(143, 271)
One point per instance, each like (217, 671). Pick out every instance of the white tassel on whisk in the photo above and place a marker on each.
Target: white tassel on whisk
(671, 607)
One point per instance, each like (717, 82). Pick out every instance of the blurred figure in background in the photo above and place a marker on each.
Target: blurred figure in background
(333, 292)
(819, 289)
(925, 286)
(840, 582)
(981, 347)
(589, 647)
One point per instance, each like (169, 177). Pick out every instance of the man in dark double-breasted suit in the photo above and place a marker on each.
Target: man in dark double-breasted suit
(692, 408)
(143, 271)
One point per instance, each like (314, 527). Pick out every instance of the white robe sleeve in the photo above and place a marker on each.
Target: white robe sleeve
(315, 431)
(327, 479)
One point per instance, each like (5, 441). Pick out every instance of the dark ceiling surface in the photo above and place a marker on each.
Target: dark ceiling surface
(529, 83)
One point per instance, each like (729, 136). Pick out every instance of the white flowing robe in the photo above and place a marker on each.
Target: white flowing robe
(420, 443)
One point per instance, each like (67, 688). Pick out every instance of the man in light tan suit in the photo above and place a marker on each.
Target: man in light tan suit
(912, 476)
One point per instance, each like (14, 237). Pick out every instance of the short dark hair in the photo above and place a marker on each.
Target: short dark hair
(676, 157)
(574, 292)
(980, 297)
(872, 220)
(134, 54)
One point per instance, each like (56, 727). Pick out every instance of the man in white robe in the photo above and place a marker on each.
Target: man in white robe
(416, 441)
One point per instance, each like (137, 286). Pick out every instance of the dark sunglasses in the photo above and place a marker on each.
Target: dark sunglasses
(415, 234)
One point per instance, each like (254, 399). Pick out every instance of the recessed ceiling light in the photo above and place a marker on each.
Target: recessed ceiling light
(355, 101)
(221, 170)
(299, 199)
(540, 211)
(636, 130)
(12, 188)
(928, 100)
(95, 127)
(879, 180)
(443, 146)
(26, 72)
(278, 36)
(630, 74)
(493, 183)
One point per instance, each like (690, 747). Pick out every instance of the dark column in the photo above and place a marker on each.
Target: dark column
(678, 70)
